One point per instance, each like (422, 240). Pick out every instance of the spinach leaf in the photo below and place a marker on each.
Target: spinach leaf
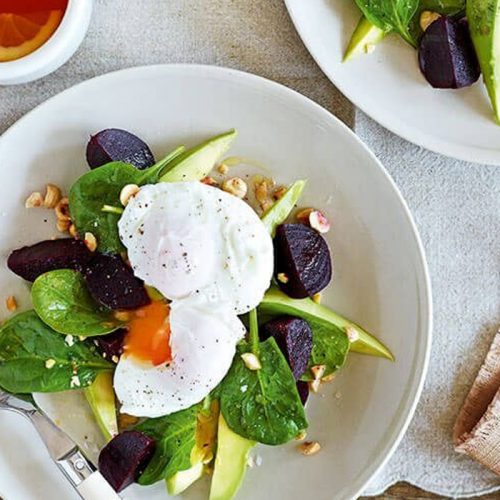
(262, 405)
(102, 186)
(62, 301)
(27, 344)
(276, 303)
(279, 211)
(175, 437)
(391, 15)
(330, 347)
(445, 7)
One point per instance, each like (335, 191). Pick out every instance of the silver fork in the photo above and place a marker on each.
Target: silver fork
(80, 472)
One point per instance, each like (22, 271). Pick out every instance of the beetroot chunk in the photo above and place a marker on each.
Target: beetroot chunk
(112, 283)
(303, 390)
(111, 344)
(115, 144)
(125, 457)
(294, 338)
(32, 261)
(446, 55)
(303, 265)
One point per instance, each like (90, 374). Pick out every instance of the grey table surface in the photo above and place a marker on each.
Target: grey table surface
(456, 205)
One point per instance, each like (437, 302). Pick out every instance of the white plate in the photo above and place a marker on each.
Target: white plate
(387, 85)
(381, 279)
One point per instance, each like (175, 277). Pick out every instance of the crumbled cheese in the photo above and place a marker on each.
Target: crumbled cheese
(75, 381)
(70, 341)
(244, 388)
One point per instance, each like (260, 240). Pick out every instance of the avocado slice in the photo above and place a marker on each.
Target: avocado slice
(484, 27)
(183, 479)
(278, 303)
(279, 212)
(101, 398)
(230, 462)
(196, 163)
(365, 36)
(201, 454)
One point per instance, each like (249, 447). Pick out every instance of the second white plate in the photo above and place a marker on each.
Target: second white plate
(387, 85)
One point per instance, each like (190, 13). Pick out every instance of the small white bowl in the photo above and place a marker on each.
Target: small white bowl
(53, 53)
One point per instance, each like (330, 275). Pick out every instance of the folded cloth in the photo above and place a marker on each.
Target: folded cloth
(477, 428)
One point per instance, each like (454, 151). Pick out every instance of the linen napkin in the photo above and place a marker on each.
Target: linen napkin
(477, 429)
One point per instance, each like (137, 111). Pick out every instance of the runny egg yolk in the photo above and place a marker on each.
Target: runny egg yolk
(148, 336)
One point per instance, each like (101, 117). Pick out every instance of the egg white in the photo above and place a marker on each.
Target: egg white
(187, 237)
(203, 341)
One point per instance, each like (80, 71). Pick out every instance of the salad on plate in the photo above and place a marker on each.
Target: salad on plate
(178, 322)
(456, 40)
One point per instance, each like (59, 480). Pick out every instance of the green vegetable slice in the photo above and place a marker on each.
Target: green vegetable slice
(391, 15)
(175, 437)
(262, 405)
(279, 211)
(94, 199)
(35, 358)
(276, 303)
(196, 163)
(62, 301)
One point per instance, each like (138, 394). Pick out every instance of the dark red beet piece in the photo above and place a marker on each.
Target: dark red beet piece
(32, 261)
(446, 54)
(124, 458)
(112, 283)
(303, 389)
(114, 144)
(111, 344)
(303, 257)
(294, 338)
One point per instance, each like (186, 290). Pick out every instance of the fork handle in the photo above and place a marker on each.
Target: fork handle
(88, 482)
(95, 487)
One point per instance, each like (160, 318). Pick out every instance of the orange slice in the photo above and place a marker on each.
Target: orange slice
(22, 34)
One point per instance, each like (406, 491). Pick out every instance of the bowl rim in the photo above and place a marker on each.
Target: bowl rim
(410, 400)
(55, 51)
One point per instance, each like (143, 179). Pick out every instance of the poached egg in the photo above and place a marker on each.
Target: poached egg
(208, 252)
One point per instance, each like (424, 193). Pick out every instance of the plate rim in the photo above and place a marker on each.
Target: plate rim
(452, 150)
(421, 268)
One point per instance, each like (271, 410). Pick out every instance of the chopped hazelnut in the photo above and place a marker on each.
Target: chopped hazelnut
(427, 17)
(52, 196)
(50, 363)
(90, 241)
(309, 448)
(279, 192)
(127, 192)
(11, 303)
(318, 221)
(301, 436)
(235, 186)
(34, 200)
(209, 181)
(122, 315)
(318, 371)
(62, 209)
(302, 215)
(72, 231)
(223, 169)
(63, 226)
(251, 361)
(282, 278)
